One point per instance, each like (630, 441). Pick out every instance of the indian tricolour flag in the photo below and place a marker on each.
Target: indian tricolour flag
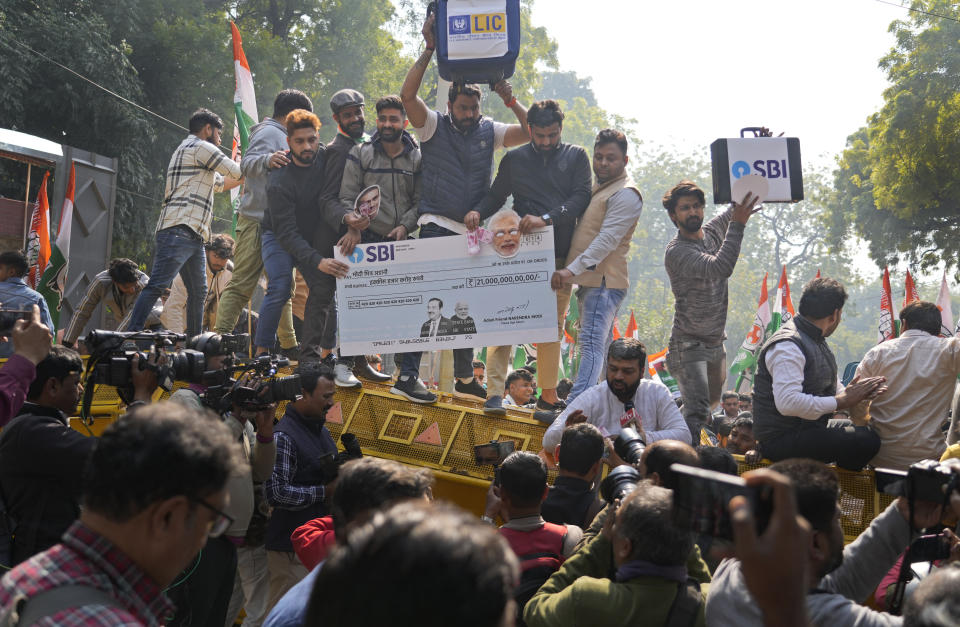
(910, 292)
(38, 241)
(783, 307)
(887, 329)
(53, 283)
(245, 107)
(946, 309)
(657, 364)
(744, 365)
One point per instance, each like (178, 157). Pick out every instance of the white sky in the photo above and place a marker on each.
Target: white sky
(691, 71)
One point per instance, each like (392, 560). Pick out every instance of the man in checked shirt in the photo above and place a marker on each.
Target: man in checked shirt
(197, 169)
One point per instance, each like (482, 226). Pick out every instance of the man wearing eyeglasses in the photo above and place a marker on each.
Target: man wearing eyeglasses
(154, 489)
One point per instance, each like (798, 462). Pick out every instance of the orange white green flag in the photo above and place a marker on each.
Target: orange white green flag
(38, 241)
(244, 106)
(744, 365)
(783, 306)
(910, 292)
(887, 328)
(53, 282)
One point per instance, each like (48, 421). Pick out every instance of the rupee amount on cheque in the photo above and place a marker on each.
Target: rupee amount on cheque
(506, 279)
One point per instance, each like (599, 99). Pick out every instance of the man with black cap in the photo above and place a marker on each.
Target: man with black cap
(347, 107)
(457, 149)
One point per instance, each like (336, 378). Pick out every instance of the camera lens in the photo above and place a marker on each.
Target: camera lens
(620, 482)
(629, 445)
(188, 365)
(285, 388)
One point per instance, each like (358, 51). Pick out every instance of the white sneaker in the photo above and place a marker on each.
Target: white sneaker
(343, 377)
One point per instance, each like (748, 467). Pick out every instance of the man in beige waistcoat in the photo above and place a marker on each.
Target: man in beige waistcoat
(597, 261)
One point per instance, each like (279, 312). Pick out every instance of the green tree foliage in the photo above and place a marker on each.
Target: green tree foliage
(898, 182)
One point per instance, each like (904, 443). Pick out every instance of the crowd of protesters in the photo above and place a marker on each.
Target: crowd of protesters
(179, 515)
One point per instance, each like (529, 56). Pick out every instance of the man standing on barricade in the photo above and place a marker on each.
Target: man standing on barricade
(597, 261)
(550, 185)
(266, 152)
(197, 169)
(457, 149)
(699, 260)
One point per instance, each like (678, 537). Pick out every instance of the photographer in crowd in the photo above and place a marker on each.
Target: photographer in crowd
(209, 597)
(267, 151)
(795, 392)
(468, 568)
(624, 399)
(117, 289)
(154, 489)
(838, 578)
(14, 293)
(299, 488)
(457, 167)
(699, 261)
(648, 554)
(364, 486)
(550, 185)
(31, 344)
(572, 498)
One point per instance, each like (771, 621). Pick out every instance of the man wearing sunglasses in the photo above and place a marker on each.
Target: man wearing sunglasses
(154, 489)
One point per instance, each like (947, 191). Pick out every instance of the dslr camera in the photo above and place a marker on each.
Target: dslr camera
(928, 480)
(629, 445)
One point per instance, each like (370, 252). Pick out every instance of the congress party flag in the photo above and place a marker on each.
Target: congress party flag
(744, 365)
(38, 241)
(53, 283)
(632, 329)
(910, 292)
(244, 106)
(887, 328)
(657, 365)
(616, 331)
(946, 309)
(783, 307)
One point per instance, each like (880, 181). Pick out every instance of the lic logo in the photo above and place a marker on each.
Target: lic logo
(740, 169)
(357, 255)
(459, 24)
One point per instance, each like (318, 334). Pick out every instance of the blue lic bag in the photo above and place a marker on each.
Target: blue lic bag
(477, 40)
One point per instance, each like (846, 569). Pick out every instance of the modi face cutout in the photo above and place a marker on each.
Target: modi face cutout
(505, 226)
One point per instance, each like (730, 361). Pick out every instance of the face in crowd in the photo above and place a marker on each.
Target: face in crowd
(689, 213)
(351, 120)
(506, 235)
(731, 406)
(215, 262)
(304, 144)
(609, 162)
(390, 124)
(465, 112)
(623, 377)
(741, 440)
(546, 138)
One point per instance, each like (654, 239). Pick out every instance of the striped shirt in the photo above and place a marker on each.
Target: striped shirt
(196, 171)
(87, 558)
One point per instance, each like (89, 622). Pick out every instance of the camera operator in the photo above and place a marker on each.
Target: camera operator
(540, 546)
(572, 498)
(42, 458)
(838, 578)
(296, 489)
(651, 407)
(31, 343)
(647, 552)
(207, 596)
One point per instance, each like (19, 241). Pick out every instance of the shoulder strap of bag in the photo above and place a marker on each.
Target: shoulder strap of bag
(49, 602)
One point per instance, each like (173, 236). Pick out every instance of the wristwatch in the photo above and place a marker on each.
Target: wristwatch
(547, 218)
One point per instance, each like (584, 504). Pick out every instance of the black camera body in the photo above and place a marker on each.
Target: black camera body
(619, 482)
(629, 445)
(9, 317)
(331, 462)
(258, 390)
(928, 480)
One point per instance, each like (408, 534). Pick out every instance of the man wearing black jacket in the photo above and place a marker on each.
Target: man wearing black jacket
(551, 185)
(296, 219)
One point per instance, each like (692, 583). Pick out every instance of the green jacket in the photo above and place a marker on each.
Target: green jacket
(581, 595)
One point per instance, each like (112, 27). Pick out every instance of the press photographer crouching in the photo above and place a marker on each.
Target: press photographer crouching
(231, 572)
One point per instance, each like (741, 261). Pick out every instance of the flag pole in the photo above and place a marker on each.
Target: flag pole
(26, 209)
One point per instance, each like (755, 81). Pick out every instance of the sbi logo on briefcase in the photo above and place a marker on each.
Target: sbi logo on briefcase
(373, 252)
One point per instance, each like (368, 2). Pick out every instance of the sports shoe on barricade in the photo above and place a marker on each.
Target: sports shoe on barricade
(494, 405)
(412, 389)
(473, 388)
(343, 377)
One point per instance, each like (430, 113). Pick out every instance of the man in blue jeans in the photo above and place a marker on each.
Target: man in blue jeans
(597, 260)
(197, 169)
(14, 293)
(699, 261)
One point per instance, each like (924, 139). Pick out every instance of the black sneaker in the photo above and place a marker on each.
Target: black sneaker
(545, 406)
(473, 388)
(546, 417)
(293, 354)
(494, 405)
(364, 370)
(413, 390)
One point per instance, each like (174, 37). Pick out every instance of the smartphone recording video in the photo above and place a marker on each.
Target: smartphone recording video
(701, 501)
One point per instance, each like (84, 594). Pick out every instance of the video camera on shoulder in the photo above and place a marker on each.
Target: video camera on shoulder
(928, 480)
(251, 384)
(701, 501)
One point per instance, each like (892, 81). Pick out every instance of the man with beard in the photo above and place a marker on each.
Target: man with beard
(840, 578)
(550, 183)
(699, 260)
(624, 399)
(457, 152)
(291, 225)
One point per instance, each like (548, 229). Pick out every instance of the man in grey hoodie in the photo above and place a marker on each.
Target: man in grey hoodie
(267, 151)
(841, 578)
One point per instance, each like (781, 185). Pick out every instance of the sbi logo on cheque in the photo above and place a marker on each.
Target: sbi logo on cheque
(373, 252)
(478, 23)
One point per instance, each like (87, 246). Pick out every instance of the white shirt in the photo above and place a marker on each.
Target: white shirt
(659, 416)
(785, 361)
(921, 371)
(427, 131)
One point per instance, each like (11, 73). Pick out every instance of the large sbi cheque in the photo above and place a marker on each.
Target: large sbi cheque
(431, 294)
